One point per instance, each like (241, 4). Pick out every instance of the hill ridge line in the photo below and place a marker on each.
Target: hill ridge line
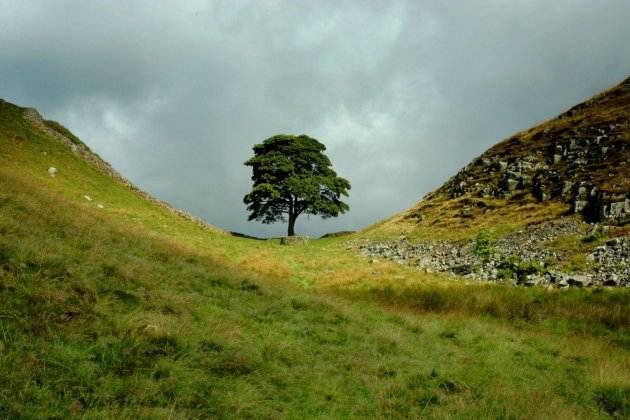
(52, 129)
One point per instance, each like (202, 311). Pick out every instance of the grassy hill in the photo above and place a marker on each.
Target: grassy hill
(112, 305)
(576, 163)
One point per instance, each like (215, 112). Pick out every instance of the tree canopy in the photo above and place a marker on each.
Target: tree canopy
(293, 176)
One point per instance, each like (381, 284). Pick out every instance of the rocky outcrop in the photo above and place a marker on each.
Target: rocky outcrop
(523, 257)
(581, 158)
(608, 206)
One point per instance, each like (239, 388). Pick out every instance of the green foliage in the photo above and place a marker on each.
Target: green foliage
(293, 176)
(483, 245)
(515, 268)
(593, 238)
(577, 264)
(615, 400)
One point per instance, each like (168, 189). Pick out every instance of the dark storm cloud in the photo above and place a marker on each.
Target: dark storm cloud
(174, 94)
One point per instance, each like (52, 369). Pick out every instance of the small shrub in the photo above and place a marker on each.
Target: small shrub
(577, 263)
(505, 274)
(217, 282)
(484, 246)
(593, 237)
(615, 400)
(514, 267)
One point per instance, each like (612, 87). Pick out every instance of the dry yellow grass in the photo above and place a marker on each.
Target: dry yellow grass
(442, 218)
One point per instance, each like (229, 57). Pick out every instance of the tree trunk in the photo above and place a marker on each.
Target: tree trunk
(292, 225)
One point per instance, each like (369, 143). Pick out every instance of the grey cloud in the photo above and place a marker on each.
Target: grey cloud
(403, 93)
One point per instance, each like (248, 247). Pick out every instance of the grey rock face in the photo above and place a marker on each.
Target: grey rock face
(558, 165)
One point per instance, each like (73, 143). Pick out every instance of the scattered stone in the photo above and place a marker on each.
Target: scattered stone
(100, 206)
(611, 280)
(87, 197)
(533, 280)
(294, 240)
(52, 171)
(609, 264)
(613, 242)
(579, 280)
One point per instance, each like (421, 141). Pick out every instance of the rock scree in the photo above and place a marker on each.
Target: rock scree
(526, 257)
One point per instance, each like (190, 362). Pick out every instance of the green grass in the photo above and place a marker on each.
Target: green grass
(131, 311)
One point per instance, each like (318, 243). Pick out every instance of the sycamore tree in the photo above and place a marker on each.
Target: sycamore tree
(293, 176)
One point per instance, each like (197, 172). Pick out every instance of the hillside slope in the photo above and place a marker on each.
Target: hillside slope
(578, 162)
(114, 306)
(62, 135)
(548, 206)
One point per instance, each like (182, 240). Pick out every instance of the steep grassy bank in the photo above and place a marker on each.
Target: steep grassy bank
(132, 311)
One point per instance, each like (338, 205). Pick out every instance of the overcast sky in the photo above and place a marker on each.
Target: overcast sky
(403, 93)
